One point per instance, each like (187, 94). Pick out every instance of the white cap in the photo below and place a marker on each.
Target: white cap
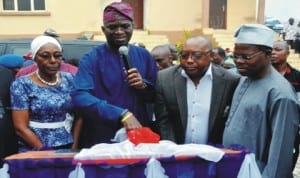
(255, 34)
(40, 41)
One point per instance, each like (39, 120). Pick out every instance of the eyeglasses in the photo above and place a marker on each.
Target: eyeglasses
(246, 57)
(195, 55)
(49, 56)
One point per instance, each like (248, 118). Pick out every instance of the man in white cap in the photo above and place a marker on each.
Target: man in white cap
(264, 113)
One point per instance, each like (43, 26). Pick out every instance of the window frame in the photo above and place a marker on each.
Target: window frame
(16, 12)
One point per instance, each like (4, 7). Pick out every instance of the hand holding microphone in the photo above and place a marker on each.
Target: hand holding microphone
(123, 50)
(134, 77)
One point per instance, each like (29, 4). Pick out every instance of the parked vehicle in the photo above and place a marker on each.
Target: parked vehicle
(72, 49)
(274, 24)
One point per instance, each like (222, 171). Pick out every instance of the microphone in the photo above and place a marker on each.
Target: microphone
(123, 50)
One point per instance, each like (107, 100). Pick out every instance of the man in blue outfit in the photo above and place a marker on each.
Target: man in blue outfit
(264, 114)
(108, 94)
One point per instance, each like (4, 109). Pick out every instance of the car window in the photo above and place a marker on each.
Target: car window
(75, 50)
(18, 49)
(72, 49)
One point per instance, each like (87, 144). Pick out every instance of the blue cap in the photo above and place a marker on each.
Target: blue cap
(11, 61)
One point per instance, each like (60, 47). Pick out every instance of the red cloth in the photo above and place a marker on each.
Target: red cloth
(65, 67)
(142, 135)
(27, 55)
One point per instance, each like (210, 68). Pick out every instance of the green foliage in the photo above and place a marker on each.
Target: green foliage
(179, 45)
(187, 34)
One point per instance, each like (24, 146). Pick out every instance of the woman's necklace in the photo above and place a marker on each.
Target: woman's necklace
(45, 82)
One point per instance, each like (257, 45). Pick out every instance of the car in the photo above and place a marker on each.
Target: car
(72, 49)
(274, 24)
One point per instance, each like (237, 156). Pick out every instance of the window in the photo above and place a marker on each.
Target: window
(24, 5)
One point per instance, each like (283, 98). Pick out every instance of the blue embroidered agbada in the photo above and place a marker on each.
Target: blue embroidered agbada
(46, 105)
(102, 92)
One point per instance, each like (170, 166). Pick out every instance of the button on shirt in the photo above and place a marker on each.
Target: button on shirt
(198, 101)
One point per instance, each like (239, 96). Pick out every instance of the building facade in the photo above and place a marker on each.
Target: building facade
(71, 18)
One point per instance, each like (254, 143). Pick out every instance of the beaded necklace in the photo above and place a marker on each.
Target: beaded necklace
(45, 82)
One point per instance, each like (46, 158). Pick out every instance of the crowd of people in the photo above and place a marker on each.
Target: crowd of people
(248, 98)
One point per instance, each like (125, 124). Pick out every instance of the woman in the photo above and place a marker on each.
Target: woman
(41, 103)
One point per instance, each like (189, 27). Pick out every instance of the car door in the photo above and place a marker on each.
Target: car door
(2, 48)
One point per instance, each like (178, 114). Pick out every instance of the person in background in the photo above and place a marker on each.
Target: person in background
(193, 98)
(162, 56)
(289, 32)
(229, 62)
(139, 44)
(8, 141)
(109, 95)
(51, 32)
(219, 56)
(264, 114)
(12, 62)
(28, 60)
(297, 39)
(42, 110)
(226, 61)
(174, 52)
(280, 54)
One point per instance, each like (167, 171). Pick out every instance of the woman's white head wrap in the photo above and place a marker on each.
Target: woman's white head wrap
(40, 41)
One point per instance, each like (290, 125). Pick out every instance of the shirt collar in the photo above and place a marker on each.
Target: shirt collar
(288, 69)
(207, 74)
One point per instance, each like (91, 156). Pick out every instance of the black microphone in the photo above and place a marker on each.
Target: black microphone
(123, 50)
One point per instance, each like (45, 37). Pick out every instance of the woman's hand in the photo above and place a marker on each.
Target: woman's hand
(21, 124)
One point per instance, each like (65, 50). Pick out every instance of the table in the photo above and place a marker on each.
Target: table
(51, 164)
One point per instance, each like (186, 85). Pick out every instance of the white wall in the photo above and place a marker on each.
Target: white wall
(282, 9)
